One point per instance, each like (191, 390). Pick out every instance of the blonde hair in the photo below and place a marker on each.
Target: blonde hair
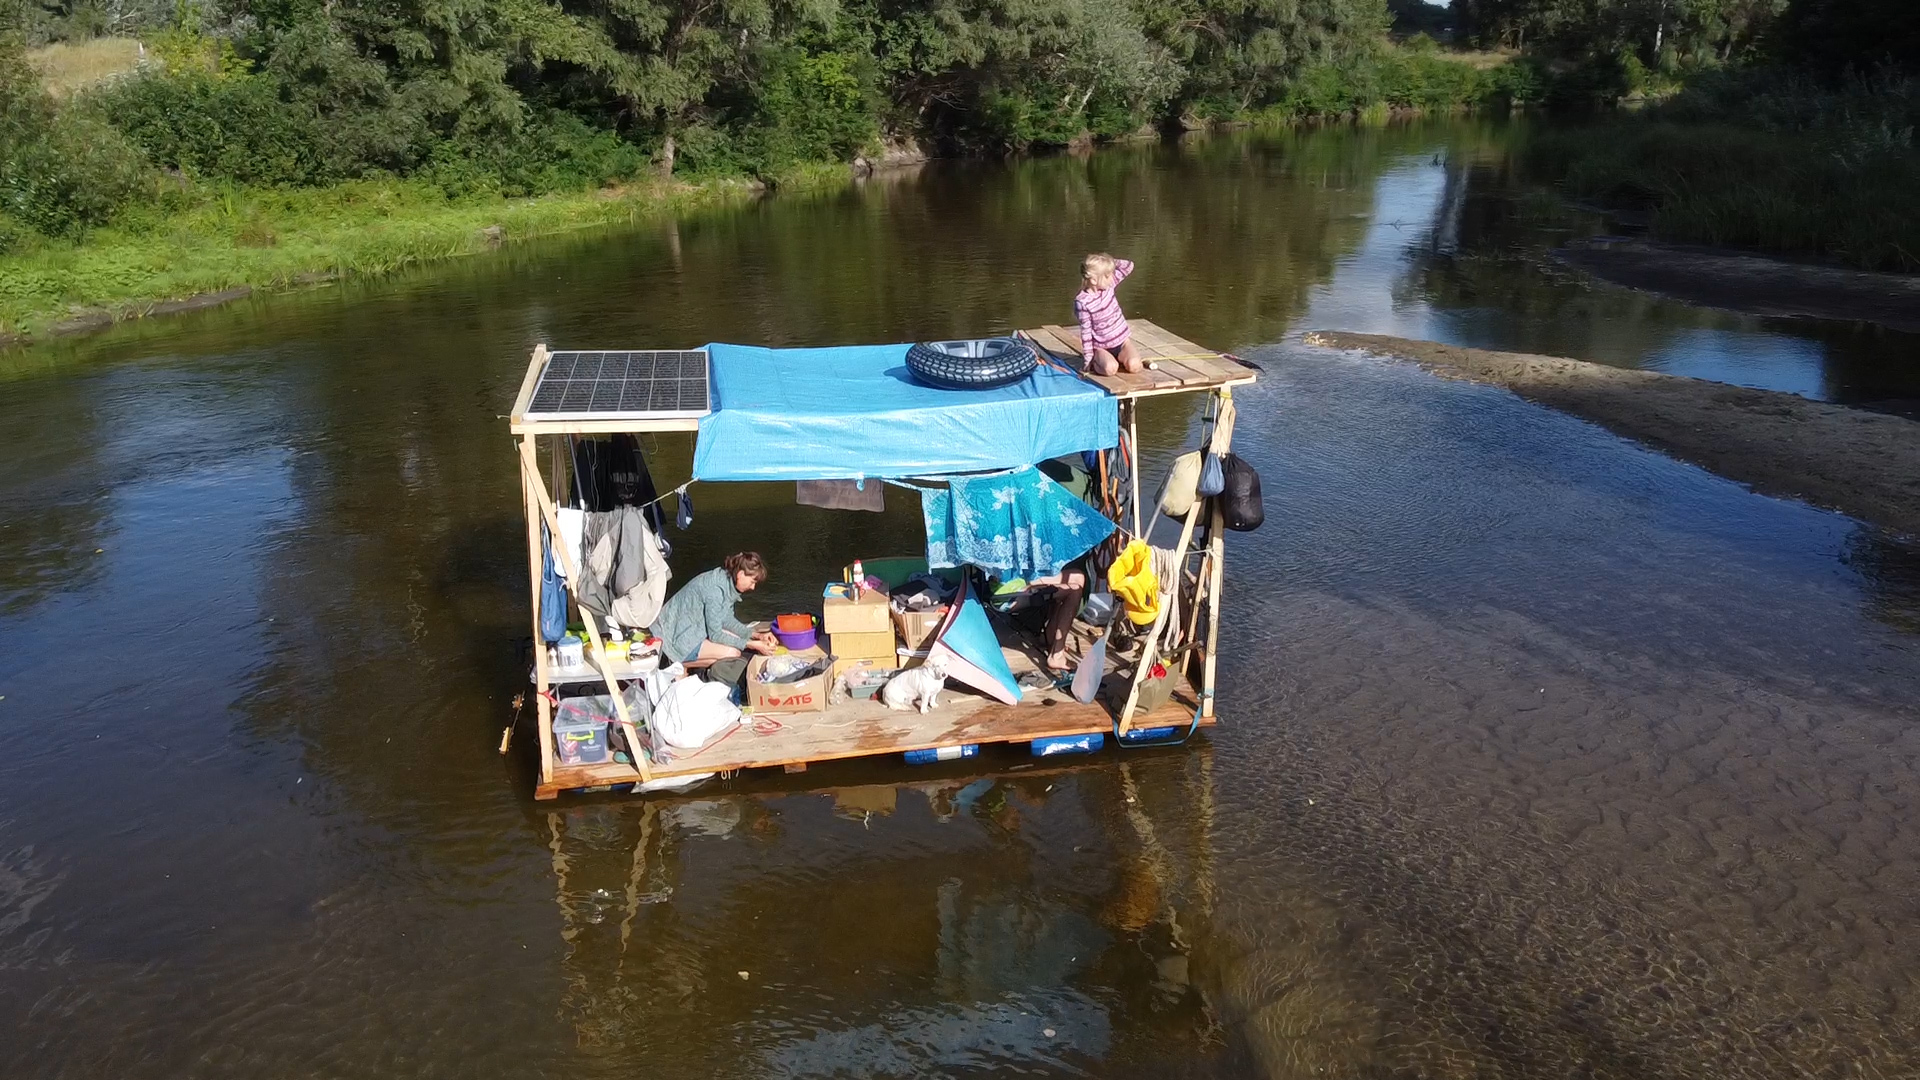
(1097, 270)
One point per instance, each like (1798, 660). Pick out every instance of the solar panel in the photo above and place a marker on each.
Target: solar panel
(662, 385)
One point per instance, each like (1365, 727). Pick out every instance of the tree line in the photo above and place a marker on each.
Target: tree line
(527, 96)
(524, 96)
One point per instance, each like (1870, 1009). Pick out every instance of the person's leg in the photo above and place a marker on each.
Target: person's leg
(1129, 358)
(1103, 363)
(709, 652)
(1066, 604)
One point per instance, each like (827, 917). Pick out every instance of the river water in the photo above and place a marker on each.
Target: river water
(1542, 754)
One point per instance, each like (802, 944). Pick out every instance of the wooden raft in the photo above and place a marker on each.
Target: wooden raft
(868, 728)
(1179, 365)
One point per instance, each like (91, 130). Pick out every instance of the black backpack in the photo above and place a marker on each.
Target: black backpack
(1240, 507)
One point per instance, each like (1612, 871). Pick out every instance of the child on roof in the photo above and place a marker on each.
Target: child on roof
(1106, 344)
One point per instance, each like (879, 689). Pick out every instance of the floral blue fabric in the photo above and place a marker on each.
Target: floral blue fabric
(1018, 524)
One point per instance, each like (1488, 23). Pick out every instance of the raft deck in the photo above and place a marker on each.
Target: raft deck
(1179, 366)
(868, 728)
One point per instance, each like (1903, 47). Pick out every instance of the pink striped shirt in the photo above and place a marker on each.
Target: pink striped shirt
(1102, 326)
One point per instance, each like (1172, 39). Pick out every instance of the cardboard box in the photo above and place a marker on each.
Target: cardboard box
(848, 646)
(807, 695)
(873, 663)
(882, 652)
(871, 614)
(916, 628)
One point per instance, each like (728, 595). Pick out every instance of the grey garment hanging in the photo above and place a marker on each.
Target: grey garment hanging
(842, 494)
(626, 573)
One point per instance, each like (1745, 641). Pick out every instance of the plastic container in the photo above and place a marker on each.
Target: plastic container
(1152, 734)
(942, 753)
(572, 651)
(866, 683)
(579, 733)
(795, 639)
(1068, 744)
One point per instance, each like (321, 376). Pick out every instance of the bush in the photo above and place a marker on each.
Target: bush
(1740, 187)
(61, 171)
(232, 128)
(553, 151)
(814, 103)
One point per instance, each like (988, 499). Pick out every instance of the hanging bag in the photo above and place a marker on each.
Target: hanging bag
(1213, 472)
(1241, 508)
(553, 595)
(1213, 478)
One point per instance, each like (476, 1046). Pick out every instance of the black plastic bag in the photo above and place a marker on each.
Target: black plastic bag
(1240, 506)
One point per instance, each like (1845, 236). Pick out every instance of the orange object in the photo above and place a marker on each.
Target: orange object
(793, 624)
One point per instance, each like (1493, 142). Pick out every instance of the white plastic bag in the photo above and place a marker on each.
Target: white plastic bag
(693, 713)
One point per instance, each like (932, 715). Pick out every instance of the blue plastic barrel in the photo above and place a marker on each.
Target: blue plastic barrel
(942, 753)
(1068, 744)
(1152, 734)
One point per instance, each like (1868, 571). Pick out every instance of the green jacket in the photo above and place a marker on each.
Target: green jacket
(701, 611)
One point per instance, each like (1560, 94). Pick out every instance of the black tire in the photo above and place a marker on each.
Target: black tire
(979, 364)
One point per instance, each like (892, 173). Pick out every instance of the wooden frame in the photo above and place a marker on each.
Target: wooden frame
(1180, 367)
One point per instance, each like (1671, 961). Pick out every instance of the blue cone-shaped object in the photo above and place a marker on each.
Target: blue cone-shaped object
(972, 652)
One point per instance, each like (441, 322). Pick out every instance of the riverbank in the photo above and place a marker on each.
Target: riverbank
(1863, 464)
(1759, 159)
(1754, 284)
(241, 241)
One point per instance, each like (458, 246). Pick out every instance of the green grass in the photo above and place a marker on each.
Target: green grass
(1793, 193)
(273, 238)
(1764, 159)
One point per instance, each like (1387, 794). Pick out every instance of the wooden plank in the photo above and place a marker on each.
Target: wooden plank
(1170, 343)
(1222, 369)
(600, 427)
(1217, 555)
(858, 729)
(1133, 469)
(1050, 339)
(1216, 566)
(535, 568)
(535, 366)
(1068, 336)
(1151, 333)
(1185, 372)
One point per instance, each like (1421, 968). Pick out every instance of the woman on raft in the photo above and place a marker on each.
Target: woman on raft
(698, 627)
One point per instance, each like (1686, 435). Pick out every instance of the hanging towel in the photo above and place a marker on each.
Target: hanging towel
(842, 494)
(1134, 583)
(1018, 524)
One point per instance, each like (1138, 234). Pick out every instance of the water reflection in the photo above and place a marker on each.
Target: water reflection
(937, 927)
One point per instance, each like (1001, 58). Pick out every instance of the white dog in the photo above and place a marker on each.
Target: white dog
(922, 685)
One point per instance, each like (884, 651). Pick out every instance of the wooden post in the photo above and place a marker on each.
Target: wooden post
(535, 566)
(1216, 551)
(1133, 452)
(1217, 555)
(530, 468)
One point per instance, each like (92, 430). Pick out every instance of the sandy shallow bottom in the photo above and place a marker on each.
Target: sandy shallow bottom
(1860, 463)
(1754, 284)
(1580, 768)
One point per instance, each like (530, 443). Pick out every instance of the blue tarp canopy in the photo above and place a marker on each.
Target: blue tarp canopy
(855, 411)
